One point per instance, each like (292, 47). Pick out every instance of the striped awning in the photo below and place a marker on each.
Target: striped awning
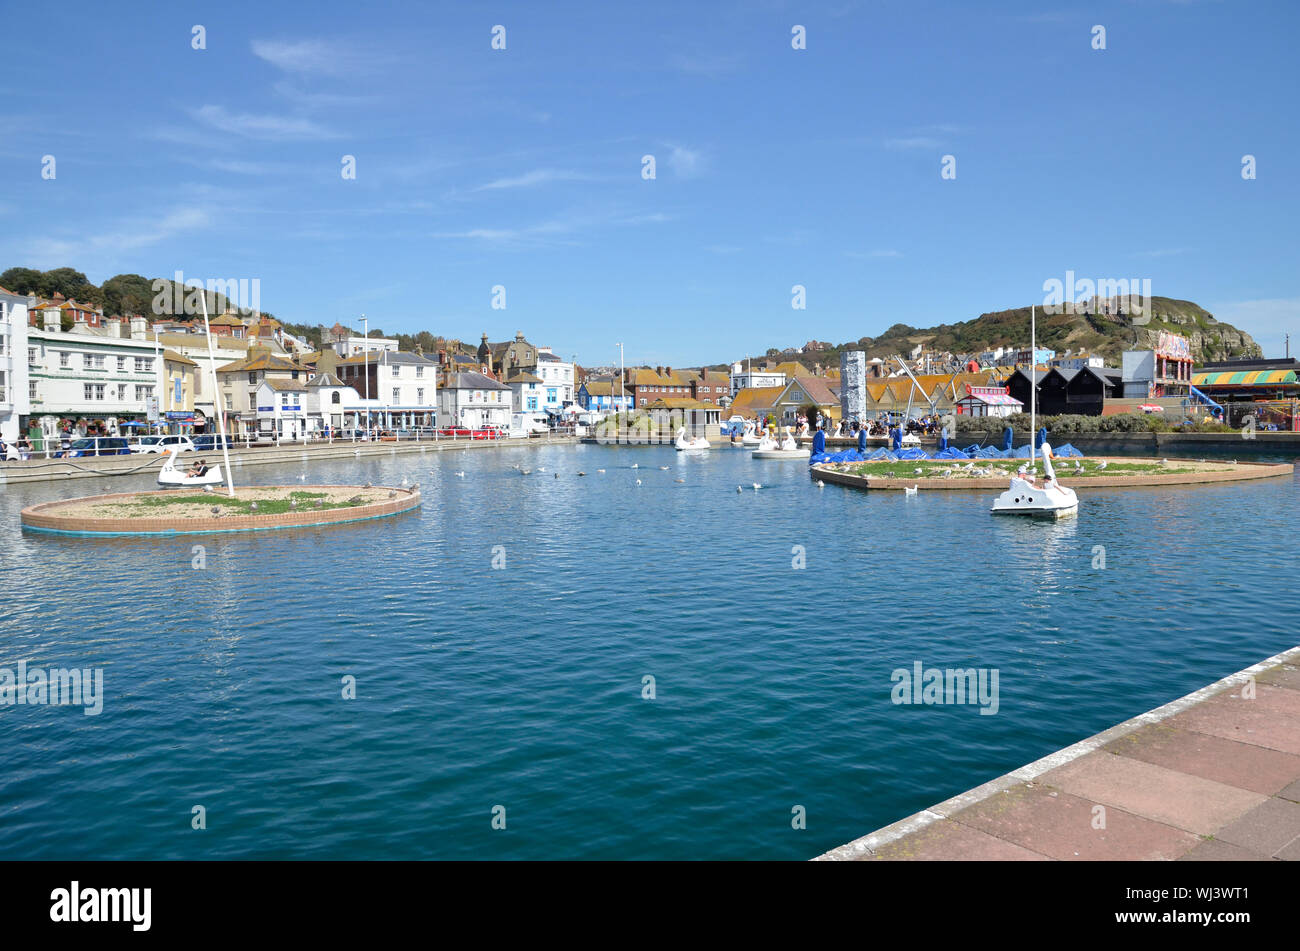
(1245, 378)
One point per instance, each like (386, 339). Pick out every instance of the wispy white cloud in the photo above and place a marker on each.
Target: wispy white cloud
(706, 64)
(912, 142)
(930, 136)
(128, 237)
(538, 176)
(313, 56)
(553, 230)
(685, 163)
(1161, 253)
(865, 255)
(264, 126)
(320, 100)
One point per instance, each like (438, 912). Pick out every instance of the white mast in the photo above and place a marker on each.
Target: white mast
(216, 395)
(1033, 383)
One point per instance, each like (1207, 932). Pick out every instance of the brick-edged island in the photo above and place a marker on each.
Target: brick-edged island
(985, 474)
(191, 511)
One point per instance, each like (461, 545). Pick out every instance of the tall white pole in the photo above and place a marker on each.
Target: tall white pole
(365, 328)
(1033, 383)
(216, 396)
(622, 387)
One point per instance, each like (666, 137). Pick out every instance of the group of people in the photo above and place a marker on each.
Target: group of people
(16, 451)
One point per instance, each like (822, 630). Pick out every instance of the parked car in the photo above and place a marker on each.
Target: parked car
(211, 442)
(97, 446)
(163, 444)
(144, 443)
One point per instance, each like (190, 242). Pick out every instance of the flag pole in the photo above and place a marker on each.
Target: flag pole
(216, 394)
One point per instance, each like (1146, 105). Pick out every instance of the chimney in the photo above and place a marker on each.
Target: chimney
(139, 327)
(52, 319)
(659, 371)
(668, 371)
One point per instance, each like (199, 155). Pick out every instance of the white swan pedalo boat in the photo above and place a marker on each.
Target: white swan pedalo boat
(170, 475)
(685, 444)
(1027, 498)
(788, 448)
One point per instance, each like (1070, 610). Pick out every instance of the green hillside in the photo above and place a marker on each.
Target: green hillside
(1104, 335)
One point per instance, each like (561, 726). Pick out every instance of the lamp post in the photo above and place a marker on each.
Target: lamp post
(365, 355)
(622, 385)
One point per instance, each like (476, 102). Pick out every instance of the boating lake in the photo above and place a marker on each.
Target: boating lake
(522, 686)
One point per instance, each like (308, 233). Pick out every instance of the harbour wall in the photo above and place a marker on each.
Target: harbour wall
(42, 470)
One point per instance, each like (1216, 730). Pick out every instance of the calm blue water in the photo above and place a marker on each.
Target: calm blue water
(521, 687)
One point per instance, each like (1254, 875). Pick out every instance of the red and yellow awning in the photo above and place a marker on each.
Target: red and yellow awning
(1245, 378)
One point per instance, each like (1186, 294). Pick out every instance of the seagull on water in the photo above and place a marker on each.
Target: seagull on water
(821, 484)
(638, 481)
(909, 491)
(460, 475)
(757, 486)
(600, 471)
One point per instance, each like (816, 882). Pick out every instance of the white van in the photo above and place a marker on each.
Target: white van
(523, 425)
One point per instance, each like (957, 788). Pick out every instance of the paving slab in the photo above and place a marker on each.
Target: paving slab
(1216, 850)
(1065, 827)
(950, 841)
(1245, 721)
(1165, 795)
(1268, 828)
(1243, 765)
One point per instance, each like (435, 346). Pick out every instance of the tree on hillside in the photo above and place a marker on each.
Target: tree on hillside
(127, 294)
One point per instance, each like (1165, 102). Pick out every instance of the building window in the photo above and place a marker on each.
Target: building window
(419, 372)
(143, 365)
(229, 404)
(419, 393)
(31, 356)
(121, 392)
(335, 397)
(64, 358)
(397, 371)
(31, 389)
(143, 392)
(397, 394)
(94, 391)
(121, 364)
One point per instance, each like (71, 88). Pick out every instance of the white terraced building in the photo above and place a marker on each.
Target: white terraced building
(15, 403)
(90, 372)
(556, 391)
(473, 401)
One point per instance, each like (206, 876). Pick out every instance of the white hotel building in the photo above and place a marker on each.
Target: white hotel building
(15, 402)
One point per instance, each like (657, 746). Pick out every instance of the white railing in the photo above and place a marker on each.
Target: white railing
(57, 446)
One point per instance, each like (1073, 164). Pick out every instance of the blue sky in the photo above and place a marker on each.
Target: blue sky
(522, 168)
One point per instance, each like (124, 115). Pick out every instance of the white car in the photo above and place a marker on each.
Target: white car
(159, 444)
